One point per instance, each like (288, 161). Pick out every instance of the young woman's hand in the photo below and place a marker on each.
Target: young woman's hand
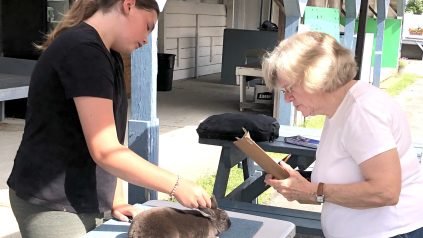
(192, 195)
(123, 211)
(295, 187)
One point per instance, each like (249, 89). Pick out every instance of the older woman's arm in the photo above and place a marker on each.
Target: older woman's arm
(381, 185)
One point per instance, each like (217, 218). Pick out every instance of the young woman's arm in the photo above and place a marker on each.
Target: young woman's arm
(96, 116)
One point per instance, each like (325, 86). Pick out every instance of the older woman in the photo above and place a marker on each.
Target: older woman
(366, 173)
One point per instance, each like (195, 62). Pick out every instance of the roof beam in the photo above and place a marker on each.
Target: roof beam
(352, 8)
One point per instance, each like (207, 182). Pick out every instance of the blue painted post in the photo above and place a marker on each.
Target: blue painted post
(400, 15)
(382, 6)
(352, 7)
(400, 8)
(294, 9)
(143, 125)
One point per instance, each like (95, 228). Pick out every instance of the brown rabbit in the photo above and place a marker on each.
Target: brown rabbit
(166, 222)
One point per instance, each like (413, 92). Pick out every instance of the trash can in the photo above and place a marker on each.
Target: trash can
(165, 63)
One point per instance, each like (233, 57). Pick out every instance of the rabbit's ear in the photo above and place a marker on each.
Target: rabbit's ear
(205, 213)
(213, 202)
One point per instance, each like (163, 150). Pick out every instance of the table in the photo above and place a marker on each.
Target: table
(243, 197)
(243, 225)
(241, 72)
(12, 87)
(253, 185)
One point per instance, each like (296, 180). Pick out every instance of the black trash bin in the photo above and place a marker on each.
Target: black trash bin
(165, 63)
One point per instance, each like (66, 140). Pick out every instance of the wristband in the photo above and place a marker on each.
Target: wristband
(172, 193)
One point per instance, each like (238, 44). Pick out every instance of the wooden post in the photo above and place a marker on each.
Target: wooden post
(317, 3)
(143, 125)
(281, 24)
(127, 72)
(361, 35)
(352, 8)
(400, 8)
(400, 15)
(294, 9)
(382, 11)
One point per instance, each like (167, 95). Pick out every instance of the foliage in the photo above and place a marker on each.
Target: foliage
(402, 63)
(414, 6)
(395, 85)
(314, 122)
(236, 177)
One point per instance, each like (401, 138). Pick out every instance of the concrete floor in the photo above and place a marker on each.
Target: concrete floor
(180, 111)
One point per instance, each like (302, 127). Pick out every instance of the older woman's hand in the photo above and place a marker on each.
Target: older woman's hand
(295, 187)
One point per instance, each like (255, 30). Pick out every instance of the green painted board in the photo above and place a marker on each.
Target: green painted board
(323, 20)
(391, 41)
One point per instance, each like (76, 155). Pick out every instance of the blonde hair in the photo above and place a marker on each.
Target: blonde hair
(84, 9)
(314, 60)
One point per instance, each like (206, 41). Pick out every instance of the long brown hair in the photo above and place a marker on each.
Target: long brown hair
(84, 9)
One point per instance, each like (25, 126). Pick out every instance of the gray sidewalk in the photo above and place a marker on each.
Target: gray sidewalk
(180, 111)
(411, 100)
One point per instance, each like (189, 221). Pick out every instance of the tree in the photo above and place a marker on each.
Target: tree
(414, 6)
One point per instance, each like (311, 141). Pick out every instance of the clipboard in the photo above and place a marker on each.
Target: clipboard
(256, 153)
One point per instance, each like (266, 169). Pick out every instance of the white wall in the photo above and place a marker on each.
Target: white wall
(246, 14)
(412, 21)
(178, 31)
(193, 31)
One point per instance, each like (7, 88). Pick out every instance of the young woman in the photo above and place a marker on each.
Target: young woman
(366, 173)
(65, 172)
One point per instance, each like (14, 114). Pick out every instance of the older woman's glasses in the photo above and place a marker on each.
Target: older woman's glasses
(286, 90)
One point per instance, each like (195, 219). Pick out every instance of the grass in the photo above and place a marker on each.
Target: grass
(393, 86)
(314, 122)
(396, 84)
(236, 177)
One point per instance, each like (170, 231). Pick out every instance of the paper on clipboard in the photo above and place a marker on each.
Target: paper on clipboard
(256, 153)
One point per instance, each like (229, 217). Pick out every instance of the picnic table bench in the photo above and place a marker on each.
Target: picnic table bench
(14, 80)
(243, 198)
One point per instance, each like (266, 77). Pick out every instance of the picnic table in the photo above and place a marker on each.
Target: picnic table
(243, 198)
(243, 225)
(14, 80)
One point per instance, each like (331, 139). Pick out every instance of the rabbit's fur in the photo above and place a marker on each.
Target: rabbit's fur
(169, 222)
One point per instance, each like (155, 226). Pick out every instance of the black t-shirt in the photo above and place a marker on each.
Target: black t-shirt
(53, 166)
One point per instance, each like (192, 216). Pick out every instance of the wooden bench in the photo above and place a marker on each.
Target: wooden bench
(15, 75)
